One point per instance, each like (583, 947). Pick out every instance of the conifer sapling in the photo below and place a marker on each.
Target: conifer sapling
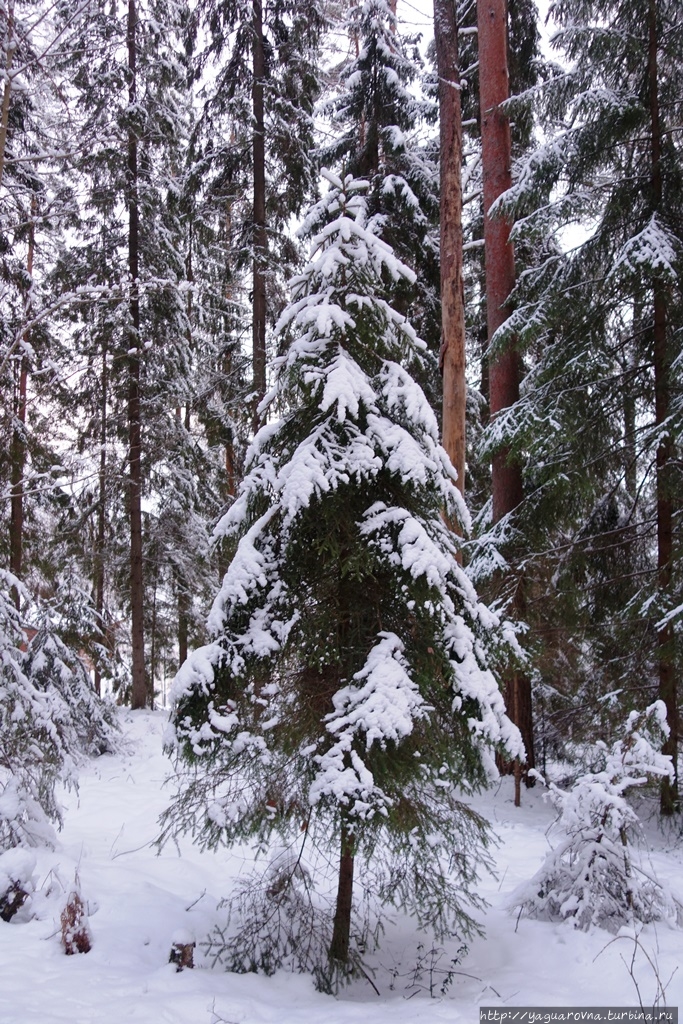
(346, 701)
(592, 876)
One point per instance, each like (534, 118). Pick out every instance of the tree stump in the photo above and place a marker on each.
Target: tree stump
(182, 951)
(75, 928)
(12, 900)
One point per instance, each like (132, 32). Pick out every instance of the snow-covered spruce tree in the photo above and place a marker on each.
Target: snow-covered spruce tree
(49, 719)
(591, 876)
(346, 697)
(377, 128)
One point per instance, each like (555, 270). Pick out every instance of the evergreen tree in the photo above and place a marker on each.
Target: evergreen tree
(254, 143)
(379, 121)
(348, 686)
(133, 118)
(599, 417)
(49, 719)
(35, 203)
(593, 877)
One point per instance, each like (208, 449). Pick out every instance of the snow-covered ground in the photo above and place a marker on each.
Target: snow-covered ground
(139, 899)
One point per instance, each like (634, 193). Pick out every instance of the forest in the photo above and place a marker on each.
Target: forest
(340, 362)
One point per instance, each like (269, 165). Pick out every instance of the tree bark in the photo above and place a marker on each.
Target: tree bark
(18, 445)
(183, 597)
(260, 238)
(452, 355)
(7, 90)
(504, 366)
(341, 933)
(101, 520)
(139, 688)
(18, 461)
(669, 797)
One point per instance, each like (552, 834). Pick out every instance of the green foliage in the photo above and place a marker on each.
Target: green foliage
(347, 692)
(598, 233)
(50, 719)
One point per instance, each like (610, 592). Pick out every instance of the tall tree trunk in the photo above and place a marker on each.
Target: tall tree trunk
(18, 462)
(669, 798)
(504, 369)
(341, 933)
(7, 89)
(183, 597)
(139, 689)
(260, 239)
(504, 366)
(452, 355)
(18, 444)
(101, 519)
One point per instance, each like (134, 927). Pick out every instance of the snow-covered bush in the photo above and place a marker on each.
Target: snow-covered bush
(348, 698)
(592, 876)
(51, 665)
(16, 881)
(275, 919)
(48, 722)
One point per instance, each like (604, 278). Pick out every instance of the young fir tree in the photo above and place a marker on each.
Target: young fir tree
(592, 877)
(50, 718)
(347, 696)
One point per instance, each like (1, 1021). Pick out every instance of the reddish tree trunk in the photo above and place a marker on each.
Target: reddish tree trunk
(139, 688)
(7, 90)
(504, 366)
(260, 240)
(669, 798)
(452, 356)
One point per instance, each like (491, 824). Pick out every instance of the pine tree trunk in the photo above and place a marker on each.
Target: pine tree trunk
(260, 240)
(504, 366)
(183, 599)
(139, 688)
(504, 369)
(17, 463)
(18, 444)
(452, 356)
(669, 799)
(101, 520)
(7, 90)
(629, 403)
(341, 933)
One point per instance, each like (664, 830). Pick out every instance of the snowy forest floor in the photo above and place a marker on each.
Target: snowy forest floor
(138, 899)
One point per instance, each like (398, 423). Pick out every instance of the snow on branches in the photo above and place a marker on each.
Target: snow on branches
(49, 719)
(348, 682)
(591, 877)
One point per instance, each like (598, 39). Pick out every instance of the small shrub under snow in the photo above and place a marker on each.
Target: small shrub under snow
(50, 718)
(591, 877)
